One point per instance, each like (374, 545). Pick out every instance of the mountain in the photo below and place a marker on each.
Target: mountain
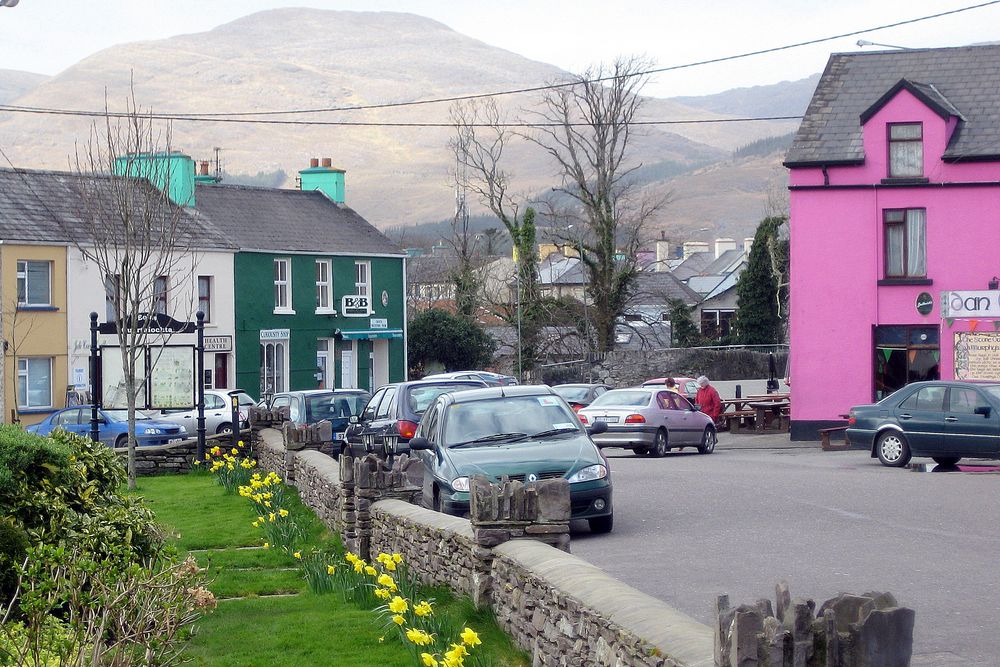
(15, 83)
(787, 98)
(306, 58)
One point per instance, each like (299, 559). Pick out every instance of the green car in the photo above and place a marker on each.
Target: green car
(526, 433)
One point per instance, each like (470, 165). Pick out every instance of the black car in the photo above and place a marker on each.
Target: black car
(945, 420)
(392, 415)
(314, 405)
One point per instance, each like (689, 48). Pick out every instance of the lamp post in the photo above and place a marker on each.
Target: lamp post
(865, 42)
(520, 363)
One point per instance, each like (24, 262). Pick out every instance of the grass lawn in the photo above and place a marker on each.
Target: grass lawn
(266, 616)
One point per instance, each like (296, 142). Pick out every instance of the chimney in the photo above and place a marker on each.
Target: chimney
(694, 247)
(747, 244)
(722, 245)
(326, 178)
(662, 254)
(172, 173)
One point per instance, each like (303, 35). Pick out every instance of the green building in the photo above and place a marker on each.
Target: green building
(319, 294)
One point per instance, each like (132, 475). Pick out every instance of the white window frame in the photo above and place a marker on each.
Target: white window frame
(324, 287)
(283, 287)
(24, 376)
(893, 145)
(363, 284)
(161, 299)
(210, 280)
(112, 285)
(277, 373)
(22, 275)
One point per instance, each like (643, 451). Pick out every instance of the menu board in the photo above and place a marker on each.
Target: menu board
(172, 377)
(114, 396)
(977, 355)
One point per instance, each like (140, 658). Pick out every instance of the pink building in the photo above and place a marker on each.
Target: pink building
(895, 228)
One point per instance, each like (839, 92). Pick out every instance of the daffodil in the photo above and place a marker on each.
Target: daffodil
(350, 557)
(298, 554)
(398, 605)
(429, 660)
(283, 512)
(398, 620)
(470, 637)
(382, 593)
(266, 545)
(418, 637)
(397, 558)
(359, 566)
(459, 649)
(271, 517)
(330, 569)
(389, 565)
(423, 609)
(370, 571)
(386, 580)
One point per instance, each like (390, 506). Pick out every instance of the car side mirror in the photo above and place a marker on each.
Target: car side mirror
(353, 419)
(984, 410)
(597, 428)
(420, 444)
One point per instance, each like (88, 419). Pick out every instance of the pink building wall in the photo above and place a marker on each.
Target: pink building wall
(837, 258)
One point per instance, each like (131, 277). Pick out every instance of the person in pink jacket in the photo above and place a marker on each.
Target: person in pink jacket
(708, 399)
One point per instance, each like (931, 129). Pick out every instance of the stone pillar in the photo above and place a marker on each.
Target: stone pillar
(373, 479)
(348, 513)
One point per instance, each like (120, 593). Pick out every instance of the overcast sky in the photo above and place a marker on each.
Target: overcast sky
(48, 36)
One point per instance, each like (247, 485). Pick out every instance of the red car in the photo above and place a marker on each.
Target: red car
(687, 386)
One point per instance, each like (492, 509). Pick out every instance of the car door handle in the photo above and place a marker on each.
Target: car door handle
(905, 416)
(951, 419)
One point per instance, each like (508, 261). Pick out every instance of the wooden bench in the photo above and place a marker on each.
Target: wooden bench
(785, 418)
(824, 437)
(734, 420)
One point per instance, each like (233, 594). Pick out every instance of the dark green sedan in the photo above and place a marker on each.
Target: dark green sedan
(525, 433)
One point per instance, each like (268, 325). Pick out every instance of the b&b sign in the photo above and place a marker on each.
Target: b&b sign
(971, 304)
(355, 305)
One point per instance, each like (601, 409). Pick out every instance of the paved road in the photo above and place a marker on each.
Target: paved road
(689, 527)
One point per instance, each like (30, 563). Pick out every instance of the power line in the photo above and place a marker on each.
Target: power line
(348, 123)
(554, 86)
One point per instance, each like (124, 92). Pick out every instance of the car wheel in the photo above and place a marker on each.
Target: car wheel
(708, 440)
(641, 451)
(122, 440)
(660, 447)
(947, 460)
(602, 524)
(892, 450)
(225, 429)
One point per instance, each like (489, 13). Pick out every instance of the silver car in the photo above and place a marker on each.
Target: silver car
(650, 421)
(218, 413)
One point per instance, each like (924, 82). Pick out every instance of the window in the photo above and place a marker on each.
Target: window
(362, 278)
(905, 243)
(716, 324)
(906, 150)
(965, 401)
(282, 282)
(112, 296)
(273, 361)
(34, 383)
(34, 282)
(904, 354)
(387, 401)
(205, 296)
(160, 287)
(324, 285)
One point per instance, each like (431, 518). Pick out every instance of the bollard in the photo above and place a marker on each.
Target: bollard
(739, 391)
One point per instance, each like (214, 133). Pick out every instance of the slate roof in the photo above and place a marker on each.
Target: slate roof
(558, 270)
(965, 79)
(725, 263)
(658, 287)
(49, 206)
(430, 269)
(276, 220)
(693, 265)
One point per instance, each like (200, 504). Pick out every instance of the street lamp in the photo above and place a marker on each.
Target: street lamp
(865, 42)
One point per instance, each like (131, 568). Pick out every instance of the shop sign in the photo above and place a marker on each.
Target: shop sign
(974, 304)
(977, 356)
(925, 303)
(274, 334)
(219, 343)
(379, 323)
(355, 305)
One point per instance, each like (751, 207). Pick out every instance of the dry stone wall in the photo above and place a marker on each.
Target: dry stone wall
(317, 477)
(629, 368)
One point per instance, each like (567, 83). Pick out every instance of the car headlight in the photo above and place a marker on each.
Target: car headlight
(460, 483)
(589, 474)
(153, 431)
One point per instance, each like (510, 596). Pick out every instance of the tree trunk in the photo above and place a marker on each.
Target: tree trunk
(130, 391)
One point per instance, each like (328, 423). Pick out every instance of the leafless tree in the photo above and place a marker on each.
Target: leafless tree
(587, 130)
(463, 243)
(18, 325)
(139, 240)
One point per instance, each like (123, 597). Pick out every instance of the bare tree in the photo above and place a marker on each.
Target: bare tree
(587, 128)
(20, 325)
(139, 240)
(463, 243)
(479, 144)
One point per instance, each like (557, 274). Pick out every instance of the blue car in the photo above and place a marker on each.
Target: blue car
(112, 427)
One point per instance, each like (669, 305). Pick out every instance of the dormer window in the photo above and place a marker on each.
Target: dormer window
(906, 150)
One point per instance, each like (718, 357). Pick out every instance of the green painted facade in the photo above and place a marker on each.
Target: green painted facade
(255, 312)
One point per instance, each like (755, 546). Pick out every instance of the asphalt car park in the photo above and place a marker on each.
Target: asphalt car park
(762, 509)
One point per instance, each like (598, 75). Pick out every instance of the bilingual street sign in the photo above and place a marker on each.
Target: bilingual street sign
(976, 304)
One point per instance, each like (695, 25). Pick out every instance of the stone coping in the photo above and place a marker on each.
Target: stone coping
(324, 465)
(426, 517)
(272, 437)
(655, 622)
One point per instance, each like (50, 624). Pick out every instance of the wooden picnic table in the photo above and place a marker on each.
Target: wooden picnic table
(767, 411)
(760, 409)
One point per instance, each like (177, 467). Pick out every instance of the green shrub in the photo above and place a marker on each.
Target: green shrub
(13, 549)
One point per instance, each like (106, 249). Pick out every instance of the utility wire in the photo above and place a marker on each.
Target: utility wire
(567, 84)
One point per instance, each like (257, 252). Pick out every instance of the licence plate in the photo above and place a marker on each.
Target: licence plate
(608, 419)
(172, 440)
(340, 435)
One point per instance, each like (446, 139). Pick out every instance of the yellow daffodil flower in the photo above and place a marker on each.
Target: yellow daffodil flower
(398, 620)
(418, 637)
(382, 593)
(271, 517)
(429, 660)
(330, 569)
(266, 545)
(398, 605)
(298, 554)
(359, 566)
(423, 609)
(459, 649)
(350, 557)
(470, 637)
(397, 558)
(386, 580)
(370, 571)
(389, 565)
(283, 512)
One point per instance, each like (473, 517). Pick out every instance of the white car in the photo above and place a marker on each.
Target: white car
(218, 413)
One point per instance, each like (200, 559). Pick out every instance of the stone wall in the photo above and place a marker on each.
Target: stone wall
(170, 459)
(317, 477)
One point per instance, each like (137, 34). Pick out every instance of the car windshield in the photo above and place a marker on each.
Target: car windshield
(334, 406)
(992, 390)
(495, 420)
(420, 397)
(120, 415)
(629, 397)
(572, 393)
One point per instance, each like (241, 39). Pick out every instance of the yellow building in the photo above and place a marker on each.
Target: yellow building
(33, 293)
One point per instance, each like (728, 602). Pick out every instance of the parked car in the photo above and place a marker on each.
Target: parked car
(392, 415)
(218, 413)
(580, 395)
(650, 421)
(314, 405)
(526, 433)
(490, 378)
(112, 427)
(687, 386)
(945, 420)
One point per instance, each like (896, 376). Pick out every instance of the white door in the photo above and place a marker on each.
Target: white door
(380, 355)
(347, 374)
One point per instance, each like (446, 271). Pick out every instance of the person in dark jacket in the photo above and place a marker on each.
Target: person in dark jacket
(708, 398)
